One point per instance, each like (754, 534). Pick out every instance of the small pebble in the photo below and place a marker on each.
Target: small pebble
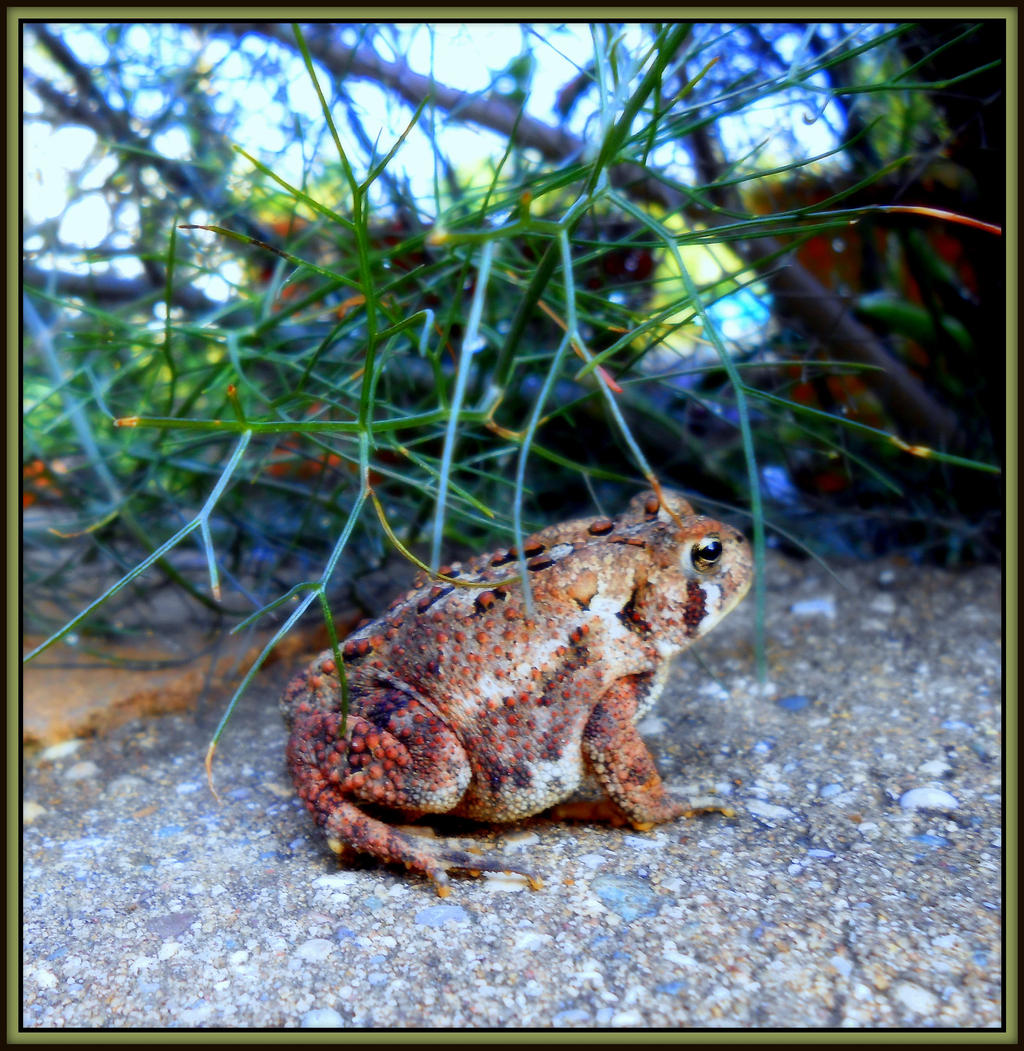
(574, 1016)
(814, 607)
(81, 771)
(439, 915)
(770, 811)
(61, 750)
(322, 1018)
(315, 950)
(956, 724)
(171, 924)
(930, 840)
(592, 861)
(914, 998)
(504, 881)
(30, 810)
(520, 839)
(928, 799)
(934, 768)
(626, 896)
(45, 979)
(670, 988)
(124, 785)
(794, 702)
(336, 881)
(91, 843)
(531, 940)
(651, 841)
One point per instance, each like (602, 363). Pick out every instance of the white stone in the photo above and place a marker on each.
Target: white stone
(531, 939)
(81, 771)
(61, 750)
(928, 799)
(815, 607)
(322, 1018)
(315, 950)
(934, 768)
(592, 861)
(336, 881)
(30, 810)
(505, 881)
(768, 810)
(921, 1001)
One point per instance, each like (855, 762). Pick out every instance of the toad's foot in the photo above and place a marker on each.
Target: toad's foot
(347, 826)
(605, 811)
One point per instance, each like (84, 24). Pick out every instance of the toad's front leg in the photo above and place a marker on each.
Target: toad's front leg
(395, 754)
(621, 761)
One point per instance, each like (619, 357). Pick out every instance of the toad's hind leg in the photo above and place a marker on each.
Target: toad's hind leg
(395, 753)
(347, 825)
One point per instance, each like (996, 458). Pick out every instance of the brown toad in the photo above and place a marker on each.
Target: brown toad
(463, 702)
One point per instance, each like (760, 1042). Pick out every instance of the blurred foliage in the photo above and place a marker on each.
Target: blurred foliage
(495, 342)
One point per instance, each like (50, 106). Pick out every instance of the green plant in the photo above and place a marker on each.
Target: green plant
(542, 332)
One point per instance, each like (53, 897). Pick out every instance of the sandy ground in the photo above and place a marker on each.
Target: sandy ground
(858, 883)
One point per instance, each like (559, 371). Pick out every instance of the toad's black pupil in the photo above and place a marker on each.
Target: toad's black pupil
(711, 550)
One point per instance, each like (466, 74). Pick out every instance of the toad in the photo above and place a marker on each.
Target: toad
(471, 701)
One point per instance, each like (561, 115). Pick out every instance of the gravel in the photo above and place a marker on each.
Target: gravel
(857, 882)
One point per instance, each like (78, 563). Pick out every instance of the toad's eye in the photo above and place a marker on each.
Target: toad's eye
(706, 553)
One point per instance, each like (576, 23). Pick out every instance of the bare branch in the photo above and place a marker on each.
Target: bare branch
(825, 317)
(110, 289)
(91, 108)
(363, 63)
